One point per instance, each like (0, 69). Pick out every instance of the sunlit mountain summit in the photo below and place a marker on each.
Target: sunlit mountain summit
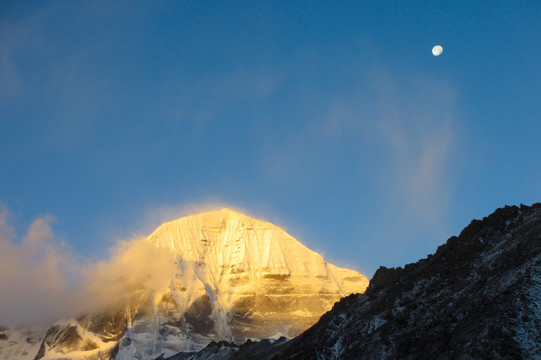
(251, 274)
(233, 278)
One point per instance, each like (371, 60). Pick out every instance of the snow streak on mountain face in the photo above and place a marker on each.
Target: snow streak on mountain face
(235, 278)
(250, 276)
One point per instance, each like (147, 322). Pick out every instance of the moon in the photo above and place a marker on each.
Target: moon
(437, 50)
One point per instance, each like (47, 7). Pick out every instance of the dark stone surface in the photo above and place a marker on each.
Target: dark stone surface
(199, 315)
(474, 298)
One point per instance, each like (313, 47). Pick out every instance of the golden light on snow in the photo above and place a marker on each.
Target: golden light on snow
(215, 275)
(253, 267)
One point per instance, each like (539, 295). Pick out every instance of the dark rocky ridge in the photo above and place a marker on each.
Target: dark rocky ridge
(477, 297)
(224, 350)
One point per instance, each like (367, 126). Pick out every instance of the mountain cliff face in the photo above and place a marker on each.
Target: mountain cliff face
(477, 297)
(251, 278)
(236, 278)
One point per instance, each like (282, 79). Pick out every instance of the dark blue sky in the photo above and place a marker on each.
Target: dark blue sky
(332, 120)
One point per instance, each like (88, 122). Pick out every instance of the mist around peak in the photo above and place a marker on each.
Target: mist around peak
(42, 281)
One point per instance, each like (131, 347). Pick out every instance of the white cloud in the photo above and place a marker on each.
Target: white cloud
(34, 276)
(40, 281)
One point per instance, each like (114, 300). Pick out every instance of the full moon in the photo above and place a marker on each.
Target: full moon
(437, 50)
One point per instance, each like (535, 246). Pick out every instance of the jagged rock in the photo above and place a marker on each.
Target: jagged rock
(477, 297)
(224, 350)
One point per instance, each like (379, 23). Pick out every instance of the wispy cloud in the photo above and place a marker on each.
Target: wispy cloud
(394, 138)
(34, 276)
(416, 121)
(407, 123)
(9, 79)
(38, 70)
(18, 39)
(134, 265)
(41, 281)
(203, 99)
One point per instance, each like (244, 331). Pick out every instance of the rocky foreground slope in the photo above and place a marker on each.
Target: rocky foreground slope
(235, 278)
(477, 297)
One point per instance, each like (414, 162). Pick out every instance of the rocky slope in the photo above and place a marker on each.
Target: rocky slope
(20, 343)
(477, 297)
(236, 278)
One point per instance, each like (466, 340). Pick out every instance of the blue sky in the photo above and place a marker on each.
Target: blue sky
(332, 120)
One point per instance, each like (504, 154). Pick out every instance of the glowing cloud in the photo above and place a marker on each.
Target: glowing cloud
(40, 282)
(33, 280)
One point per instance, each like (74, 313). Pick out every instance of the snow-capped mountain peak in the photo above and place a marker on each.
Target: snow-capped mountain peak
(229, 243)
(234, 278)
